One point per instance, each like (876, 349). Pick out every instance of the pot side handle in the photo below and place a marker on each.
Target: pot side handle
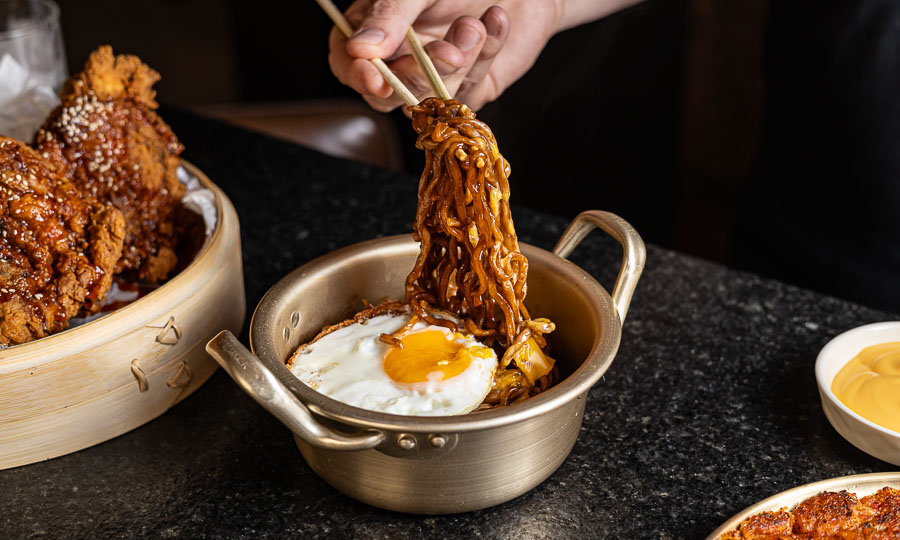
(263, 386)
(634, 254)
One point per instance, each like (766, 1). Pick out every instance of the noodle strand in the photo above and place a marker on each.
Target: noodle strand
(469, 261)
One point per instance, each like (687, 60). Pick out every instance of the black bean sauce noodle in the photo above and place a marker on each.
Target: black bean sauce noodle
(469, 262)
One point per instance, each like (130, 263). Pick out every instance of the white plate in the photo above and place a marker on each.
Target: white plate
(859, 484)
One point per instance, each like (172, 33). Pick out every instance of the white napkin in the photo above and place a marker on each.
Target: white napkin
(198, 199)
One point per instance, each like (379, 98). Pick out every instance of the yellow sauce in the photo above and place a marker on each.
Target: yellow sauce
(870, 384)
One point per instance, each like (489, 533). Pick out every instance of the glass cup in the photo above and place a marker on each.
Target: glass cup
(32, 64)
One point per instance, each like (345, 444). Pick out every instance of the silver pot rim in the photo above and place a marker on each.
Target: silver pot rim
(263, 330)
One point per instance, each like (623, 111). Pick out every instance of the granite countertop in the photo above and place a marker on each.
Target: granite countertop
(710, 405)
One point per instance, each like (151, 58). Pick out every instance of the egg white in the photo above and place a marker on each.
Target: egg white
(346, 365)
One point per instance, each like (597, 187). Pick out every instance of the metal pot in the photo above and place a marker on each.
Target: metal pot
(434, 465)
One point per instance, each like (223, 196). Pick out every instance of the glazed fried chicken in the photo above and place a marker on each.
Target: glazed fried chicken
(107, 138)
(884, 519)
(58, 248)
(765, 525)
(828, 515)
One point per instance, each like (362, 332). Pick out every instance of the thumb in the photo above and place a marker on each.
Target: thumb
(383, 27)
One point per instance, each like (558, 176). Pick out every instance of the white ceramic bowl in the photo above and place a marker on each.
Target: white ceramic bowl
(866, 435)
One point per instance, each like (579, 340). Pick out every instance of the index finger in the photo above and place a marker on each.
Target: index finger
(358, 74)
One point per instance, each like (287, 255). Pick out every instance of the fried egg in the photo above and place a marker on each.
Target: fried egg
(438, 372)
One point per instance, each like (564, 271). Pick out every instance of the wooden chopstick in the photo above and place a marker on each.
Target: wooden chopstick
(344, 26)
(426, 65)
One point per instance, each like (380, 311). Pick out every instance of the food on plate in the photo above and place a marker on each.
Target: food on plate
(870, 383)
(435, 371)
(107, 138)
(828, 515)
(468, 279)
(58, 246)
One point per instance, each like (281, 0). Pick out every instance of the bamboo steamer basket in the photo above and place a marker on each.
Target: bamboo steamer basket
(99, 380)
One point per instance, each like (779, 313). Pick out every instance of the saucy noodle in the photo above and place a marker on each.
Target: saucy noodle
(469, 262)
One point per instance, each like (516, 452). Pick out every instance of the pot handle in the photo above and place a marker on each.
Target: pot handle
(633, 251)
(262, 385)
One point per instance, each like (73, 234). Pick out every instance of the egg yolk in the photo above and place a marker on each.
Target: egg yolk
(428, 352)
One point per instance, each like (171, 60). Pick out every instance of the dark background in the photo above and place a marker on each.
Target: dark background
(656, 113)
(628, 80)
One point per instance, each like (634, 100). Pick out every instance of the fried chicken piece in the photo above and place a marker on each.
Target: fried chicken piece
(107, 138)
(766, 525)
(58, 248)
(833, 515)
(884, 520)
(827, 513)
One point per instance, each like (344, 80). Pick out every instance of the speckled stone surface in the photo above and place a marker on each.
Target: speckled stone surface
(710, 405)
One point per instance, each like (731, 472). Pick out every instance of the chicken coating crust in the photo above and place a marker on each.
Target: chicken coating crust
(58, 248)
(838, 515)
(107, 138)
(111, 77)
(885, 506)
(827, 513)
(767, 524)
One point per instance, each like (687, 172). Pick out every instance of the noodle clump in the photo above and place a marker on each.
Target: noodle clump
(469, 262)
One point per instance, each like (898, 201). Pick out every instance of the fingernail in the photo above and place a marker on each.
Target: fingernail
(466, 37)
(369, 36)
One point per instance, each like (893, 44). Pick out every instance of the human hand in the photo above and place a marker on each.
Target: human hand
(478, 58)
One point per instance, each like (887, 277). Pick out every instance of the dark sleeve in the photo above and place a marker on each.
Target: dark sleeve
(823, 206)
